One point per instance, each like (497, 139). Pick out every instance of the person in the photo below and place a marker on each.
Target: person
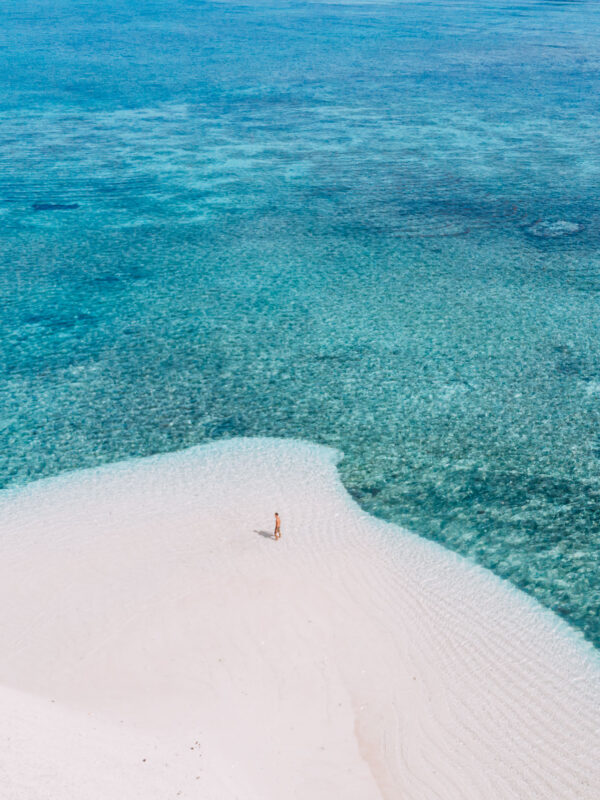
(277, 526)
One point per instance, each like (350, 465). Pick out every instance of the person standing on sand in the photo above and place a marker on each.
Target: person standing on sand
(277, 526)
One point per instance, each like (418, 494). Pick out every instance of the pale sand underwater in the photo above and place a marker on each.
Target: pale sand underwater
(158, 643)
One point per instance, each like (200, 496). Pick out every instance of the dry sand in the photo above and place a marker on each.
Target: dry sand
(157, 643)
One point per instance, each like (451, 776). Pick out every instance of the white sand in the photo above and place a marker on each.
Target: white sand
(154, 644)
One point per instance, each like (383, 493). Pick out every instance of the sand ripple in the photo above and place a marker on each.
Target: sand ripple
(148, 601)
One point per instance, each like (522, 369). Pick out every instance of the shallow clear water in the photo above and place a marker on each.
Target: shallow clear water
(370, 225)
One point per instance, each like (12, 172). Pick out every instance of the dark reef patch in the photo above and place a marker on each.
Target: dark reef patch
(54, 206)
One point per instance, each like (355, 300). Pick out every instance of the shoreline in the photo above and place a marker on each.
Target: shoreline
(351, 656)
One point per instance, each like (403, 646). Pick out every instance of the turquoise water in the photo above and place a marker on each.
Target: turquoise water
(374, 226)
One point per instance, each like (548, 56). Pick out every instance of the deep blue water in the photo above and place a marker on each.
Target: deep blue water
(370, 225)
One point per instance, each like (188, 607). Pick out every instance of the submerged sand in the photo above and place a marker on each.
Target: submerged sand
(157, 643)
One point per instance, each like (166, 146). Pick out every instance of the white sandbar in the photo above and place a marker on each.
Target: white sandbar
(156, 643)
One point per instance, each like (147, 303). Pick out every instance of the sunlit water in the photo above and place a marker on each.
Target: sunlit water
(374, 226)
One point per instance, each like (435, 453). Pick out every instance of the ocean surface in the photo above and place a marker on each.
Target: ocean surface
(370, 225)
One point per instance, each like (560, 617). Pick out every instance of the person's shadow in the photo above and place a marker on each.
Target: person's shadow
(266, 534)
